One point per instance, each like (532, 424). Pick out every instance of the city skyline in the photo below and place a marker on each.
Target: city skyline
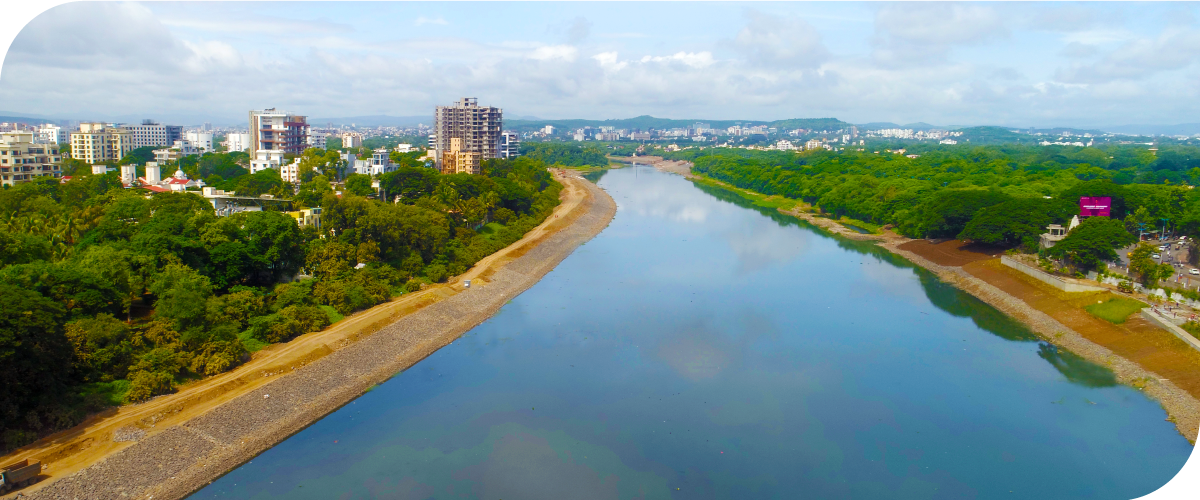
(1079, 65)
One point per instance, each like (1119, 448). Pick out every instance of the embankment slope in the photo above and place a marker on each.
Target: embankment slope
(178, 456)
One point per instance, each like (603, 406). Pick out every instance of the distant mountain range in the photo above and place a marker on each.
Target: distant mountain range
(375, 121)
(644, 122)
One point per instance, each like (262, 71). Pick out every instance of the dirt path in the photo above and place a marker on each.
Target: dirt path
(76, 449)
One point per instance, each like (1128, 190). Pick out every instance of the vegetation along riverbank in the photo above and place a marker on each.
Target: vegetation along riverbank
(433, 220)
(1139, 353)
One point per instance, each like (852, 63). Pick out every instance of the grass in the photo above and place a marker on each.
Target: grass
(759, 199)
(1115, 310)
(112, 393)
(490, 230)
(250, 342)
(334, 316)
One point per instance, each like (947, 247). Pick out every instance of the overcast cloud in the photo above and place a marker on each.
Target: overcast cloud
(951, 64)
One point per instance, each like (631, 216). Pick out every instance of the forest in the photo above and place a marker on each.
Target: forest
(1000, 195)
(115, 295)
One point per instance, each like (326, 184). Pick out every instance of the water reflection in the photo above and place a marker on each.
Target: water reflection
(1075, 368)
(670, 358)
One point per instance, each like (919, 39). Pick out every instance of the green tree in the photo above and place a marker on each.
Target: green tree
(182, 293)
(1149, 271)
(1095, 239)
(359, 184)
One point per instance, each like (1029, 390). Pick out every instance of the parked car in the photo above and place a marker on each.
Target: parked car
(1156, 256)
(1193, 271)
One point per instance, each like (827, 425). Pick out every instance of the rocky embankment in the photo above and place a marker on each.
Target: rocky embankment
(178, 461)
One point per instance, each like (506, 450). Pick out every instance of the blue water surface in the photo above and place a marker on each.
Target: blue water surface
(701, 348)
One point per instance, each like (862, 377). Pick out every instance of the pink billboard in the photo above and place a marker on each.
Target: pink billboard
(1090, 206)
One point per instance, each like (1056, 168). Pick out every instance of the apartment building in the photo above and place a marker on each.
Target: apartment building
(236, 141)
(23, 160)
(352, 140)
(178, 150)
(273, 130)
(97, 143)
(200, 139)
(150, 133)
(52, 134)
(510, 144)
(457, 161)
(477, 128)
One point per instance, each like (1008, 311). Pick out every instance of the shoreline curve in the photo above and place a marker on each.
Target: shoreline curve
(181, 459)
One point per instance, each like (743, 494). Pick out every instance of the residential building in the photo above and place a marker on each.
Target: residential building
(52, 134)
(307, 217)
(273, 130)
(404, 148)
(236, 141)
(179, 150)
(352, 140)
(290, 172)
(813, 144)
(457, 161)
(510, 144)
(200, 140)
(317, 138)
(381, 162)
(97, 143)
(476, 127)
(264, 159)
(548, 130)
(578, 136)
(785, 145)
(23, 160)
(640, 136)
(150, 133)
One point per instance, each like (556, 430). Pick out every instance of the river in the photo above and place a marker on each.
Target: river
(699, 348)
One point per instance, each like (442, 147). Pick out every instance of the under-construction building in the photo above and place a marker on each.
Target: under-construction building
(476, 127)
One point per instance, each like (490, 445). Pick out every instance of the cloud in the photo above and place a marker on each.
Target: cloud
(555, 52)
(1138, 59)
(422, 20)
(780, 41)
(578, 30)
(694, 60)
(911, 33)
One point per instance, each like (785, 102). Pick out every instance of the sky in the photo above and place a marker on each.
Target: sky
(1014, 64)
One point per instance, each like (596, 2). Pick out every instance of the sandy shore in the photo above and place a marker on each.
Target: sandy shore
(176, 444)
(1181, 406)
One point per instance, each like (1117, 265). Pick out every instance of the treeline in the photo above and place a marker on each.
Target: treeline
(565, 154)
(1003, 195)
(116, 295)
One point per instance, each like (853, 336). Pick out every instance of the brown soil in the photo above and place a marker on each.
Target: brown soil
(73, 450)
(951, 252)
(1136, 339)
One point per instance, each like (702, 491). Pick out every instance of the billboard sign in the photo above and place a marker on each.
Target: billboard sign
(1091, 206)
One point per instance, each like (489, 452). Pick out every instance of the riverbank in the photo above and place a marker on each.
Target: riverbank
(173, 445)
(1161, 359)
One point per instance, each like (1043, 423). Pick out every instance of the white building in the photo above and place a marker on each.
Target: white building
(404, 148)
(510, 144)
(52, 134)
(274, 130)
(813, 144)
(352, 140)
(179, 150)
(381, 162)
(22, 160)
(128, 174)
(264, 159)
(785, 145)
(548, 130)
(201, 140)
(150, 133)
(317, 138)
(236, 141)
(291, 172)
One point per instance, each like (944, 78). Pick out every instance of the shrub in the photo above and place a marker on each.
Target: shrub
(146, 385)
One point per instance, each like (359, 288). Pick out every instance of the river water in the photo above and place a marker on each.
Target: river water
(703, 348)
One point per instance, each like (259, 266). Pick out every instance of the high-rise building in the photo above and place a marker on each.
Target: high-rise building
(272, 130)
(476, 127)
(510, 144)
(97, 142)
(150, 133)
(22, 160)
